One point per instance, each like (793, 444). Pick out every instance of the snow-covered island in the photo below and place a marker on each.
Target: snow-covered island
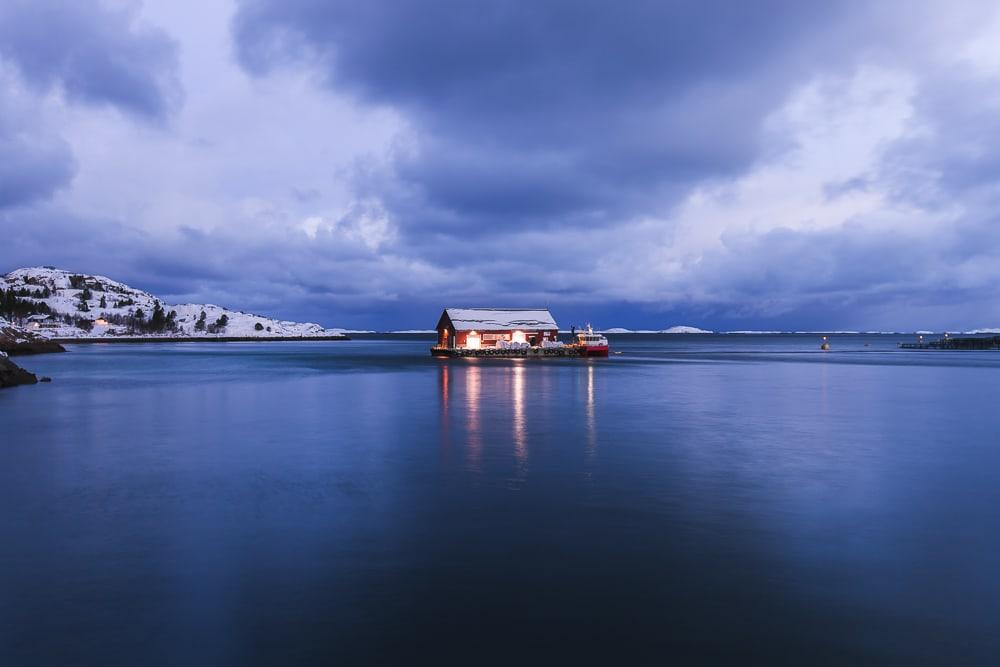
(668, 330)
(61, 305)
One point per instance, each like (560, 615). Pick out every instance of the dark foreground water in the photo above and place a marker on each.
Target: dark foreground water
(720, 498)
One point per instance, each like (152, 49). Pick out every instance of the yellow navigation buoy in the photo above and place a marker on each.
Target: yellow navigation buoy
(825, 345)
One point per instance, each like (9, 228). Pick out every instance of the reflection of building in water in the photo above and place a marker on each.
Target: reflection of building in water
(474, 436)
(520, 437)
(445, 391)
(444, 382)
(453, 380)
(589, 410)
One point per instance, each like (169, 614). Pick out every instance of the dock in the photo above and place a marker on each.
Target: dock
(500, 353)
(949, 343)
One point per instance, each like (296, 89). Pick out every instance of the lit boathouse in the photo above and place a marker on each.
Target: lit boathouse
(478, 328)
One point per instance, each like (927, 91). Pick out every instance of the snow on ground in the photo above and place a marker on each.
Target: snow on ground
(983, 331)
(122, 300)
(13, 333)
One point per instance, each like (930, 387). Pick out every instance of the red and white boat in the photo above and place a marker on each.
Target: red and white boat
(591, 344)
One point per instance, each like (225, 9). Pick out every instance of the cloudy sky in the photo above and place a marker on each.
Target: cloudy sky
(641, 164)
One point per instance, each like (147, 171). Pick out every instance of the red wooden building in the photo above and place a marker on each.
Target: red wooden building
(474, 328)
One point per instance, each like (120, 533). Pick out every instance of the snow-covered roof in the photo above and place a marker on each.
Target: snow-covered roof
(486, 319)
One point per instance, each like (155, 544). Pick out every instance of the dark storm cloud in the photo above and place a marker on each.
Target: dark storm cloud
(95, 55)
(634, 161)
(551, 112)
(32, 167)
(545, 135)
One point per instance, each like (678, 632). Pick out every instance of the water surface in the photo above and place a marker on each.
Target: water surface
(696, 497)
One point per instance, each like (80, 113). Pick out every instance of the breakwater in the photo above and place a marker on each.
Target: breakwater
(951, 343)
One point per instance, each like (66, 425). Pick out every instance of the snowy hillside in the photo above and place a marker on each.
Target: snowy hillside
(73, 305)
(671, 330)
(13, 333)
(684, 330)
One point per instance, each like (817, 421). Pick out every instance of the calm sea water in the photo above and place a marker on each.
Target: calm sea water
(695, 498)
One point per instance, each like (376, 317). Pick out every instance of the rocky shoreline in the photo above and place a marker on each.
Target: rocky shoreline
(16, 341)
(24, 348)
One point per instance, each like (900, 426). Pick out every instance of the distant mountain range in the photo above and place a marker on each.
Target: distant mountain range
(62, 304)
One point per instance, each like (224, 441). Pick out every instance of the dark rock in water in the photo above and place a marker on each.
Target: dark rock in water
(32, 347)
(39, 347)
(12, 375)
(45, 378)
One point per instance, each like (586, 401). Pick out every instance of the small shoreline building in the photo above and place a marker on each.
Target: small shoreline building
(478, 328)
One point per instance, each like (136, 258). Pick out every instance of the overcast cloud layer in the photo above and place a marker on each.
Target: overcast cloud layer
(729, 165)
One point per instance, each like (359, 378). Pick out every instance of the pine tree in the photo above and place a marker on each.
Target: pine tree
(200, 324)
(158, 320)
(104, 302)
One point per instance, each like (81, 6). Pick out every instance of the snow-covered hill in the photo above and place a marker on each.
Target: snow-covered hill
(671, 330)
(684, 330)
(110, 309)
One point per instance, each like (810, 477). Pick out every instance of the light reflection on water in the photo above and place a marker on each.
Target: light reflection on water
(518, 422)
(282, 504)
(591, 419)
(473, 400)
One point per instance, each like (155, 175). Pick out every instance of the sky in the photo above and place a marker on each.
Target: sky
(729, 165)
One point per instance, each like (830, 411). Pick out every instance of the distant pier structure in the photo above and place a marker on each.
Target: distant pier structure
(953, 343)
(506, 332)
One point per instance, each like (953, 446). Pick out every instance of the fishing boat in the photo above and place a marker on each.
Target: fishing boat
(591, 344)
